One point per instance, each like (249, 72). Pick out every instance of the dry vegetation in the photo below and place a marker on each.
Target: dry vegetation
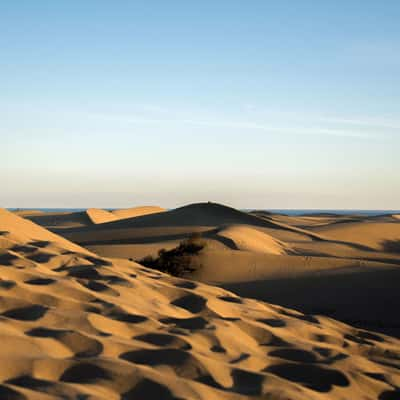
(178, 261)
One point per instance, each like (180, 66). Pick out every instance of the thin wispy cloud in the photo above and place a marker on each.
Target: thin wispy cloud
(256, 120)
(232, 124)
(362, 121)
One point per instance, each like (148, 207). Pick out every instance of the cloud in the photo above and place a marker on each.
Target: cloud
(250, 119)
(244, 125)
(314, 118)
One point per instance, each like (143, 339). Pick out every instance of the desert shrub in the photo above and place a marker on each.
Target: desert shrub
(177, 261)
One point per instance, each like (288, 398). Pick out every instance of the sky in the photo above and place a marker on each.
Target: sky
(255, 104)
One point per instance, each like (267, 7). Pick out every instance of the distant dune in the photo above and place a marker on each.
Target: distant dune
(78, 219)
(27, 231)
(28, 213)
(75, 325)
(100, 216)
(123, 213)
(374, 234)
(52, 220)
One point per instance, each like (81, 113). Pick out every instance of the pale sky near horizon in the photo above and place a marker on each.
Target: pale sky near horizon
(256, 104)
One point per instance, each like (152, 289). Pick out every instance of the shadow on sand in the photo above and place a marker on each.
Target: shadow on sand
(365, 299)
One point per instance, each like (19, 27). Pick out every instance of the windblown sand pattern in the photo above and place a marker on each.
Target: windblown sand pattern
(76, 325)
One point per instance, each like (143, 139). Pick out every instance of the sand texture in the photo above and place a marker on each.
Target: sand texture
(75, 325)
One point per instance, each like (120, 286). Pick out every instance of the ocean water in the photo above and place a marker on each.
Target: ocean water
(49, 209)
(337, 212)
(278, 211)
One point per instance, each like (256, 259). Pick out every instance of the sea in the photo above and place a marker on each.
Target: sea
(369, 213)
(272, 210)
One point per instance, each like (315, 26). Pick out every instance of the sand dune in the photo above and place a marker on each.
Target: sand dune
(200, 214)
(78, 219)
(242, 249)
(100, 216)
(27, 231)
(250, 239)
(51, 220)
(80, 326)
(28, 213)
(246, 266)
(123, 213)
(171, 226)
(375, 235)
(366, 296)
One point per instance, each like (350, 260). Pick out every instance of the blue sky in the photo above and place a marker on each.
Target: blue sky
(265, 104)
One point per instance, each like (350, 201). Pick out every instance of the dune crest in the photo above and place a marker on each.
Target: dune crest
(101, 216)
(123, 213)
(58, 219)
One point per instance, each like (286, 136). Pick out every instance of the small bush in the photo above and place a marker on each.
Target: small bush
(177, 261)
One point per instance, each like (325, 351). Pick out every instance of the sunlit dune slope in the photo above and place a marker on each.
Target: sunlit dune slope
(250, 239)
(100, 216)
(380, 236)
(28, 231)
(123, 213)
(79, 219)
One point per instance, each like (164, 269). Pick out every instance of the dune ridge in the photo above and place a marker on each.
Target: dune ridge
(28, 231)
(60, 219)
(79, 219)
(198, 214)
(101, 216)
(123, 213)
(75, 325)
(206, 218)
